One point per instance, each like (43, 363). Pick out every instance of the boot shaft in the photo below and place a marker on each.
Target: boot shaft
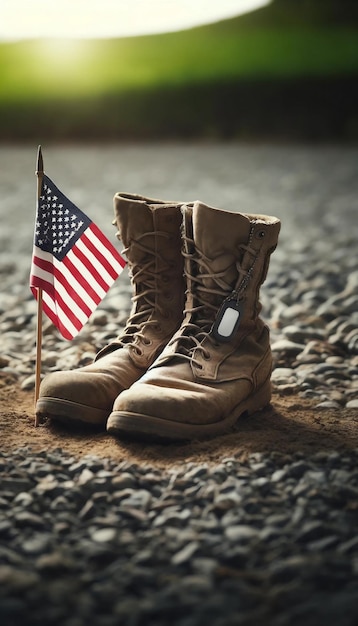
(151, 233)
(227, 258)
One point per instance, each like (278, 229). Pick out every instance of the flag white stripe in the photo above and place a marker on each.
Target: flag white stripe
(46, 256)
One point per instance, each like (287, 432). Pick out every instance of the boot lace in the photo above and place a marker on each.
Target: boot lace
(144, 278)
(207, 300)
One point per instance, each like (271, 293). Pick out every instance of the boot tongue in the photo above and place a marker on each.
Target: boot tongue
(218, 235)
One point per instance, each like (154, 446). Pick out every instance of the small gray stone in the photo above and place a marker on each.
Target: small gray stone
(352, 404)
(88, 510)
(16, 578)
(36, 544)
(282, 373)
(204, 565)
(278, 475)
(311, 531)
(287, 569)
(55, 562)
(85, 477)
(124, 481)
(328, 404)
(326, 543)
(4, 361)
(28, 383)
(348, 546)
(241, 533)
(286, 346)
(185, 553)
(140, 498)
(103, 535)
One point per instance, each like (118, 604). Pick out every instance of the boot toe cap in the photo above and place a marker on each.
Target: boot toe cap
(70, 397)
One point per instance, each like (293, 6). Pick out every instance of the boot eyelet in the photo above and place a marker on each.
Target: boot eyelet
(137, 351)
(147, 342)
(260, 234)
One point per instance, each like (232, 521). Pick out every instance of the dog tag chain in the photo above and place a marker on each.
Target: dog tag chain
(230, 313)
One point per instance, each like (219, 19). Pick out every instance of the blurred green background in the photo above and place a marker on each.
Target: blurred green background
(287, 71)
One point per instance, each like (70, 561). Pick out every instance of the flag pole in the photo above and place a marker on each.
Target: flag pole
(39, 173)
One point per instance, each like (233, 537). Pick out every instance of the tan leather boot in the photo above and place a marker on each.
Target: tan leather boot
(218, 365)
(151, 233)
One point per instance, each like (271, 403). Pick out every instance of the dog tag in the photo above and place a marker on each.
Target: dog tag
(227, 320)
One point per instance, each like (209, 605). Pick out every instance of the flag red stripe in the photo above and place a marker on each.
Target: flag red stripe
(39, 283)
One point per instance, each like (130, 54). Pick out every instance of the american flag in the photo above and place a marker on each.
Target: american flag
(72, 262)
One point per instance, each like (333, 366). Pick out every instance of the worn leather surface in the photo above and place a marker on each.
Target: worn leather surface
(196, 379)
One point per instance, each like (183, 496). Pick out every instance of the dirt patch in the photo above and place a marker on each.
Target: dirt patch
(290, 424)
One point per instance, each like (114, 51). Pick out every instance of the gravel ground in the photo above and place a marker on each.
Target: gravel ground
(271, 539)
(267, 541)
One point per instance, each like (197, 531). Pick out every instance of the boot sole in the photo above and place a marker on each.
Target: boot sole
(70, 412)
(139, 425)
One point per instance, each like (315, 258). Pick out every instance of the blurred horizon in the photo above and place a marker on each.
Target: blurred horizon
(285, 71)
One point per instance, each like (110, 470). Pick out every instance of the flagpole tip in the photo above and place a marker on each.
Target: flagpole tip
(40, 163)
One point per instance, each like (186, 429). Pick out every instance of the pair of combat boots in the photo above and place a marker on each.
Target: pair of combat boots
(194, 354)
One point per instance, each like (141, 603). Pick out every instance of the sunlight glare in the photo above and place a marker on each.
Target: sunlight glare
(61, 51)
(30, 19)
